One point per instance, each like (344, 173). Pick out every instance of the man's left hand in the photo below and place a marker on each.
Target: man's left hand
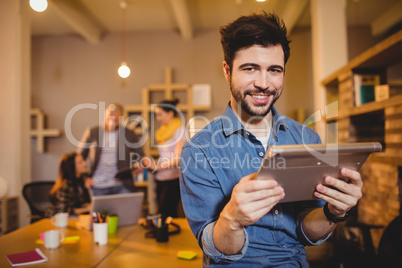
(346, 194)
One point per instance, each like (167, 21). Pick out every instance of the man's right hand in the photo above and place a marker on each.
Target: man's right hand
(251, 199)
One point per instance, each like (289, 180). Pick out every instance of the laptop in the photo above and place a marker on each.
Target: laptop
(127, 206)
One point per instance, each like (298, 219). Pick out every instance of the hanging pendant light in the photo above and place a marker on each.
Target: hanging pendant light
(38, 5)
(124, 70)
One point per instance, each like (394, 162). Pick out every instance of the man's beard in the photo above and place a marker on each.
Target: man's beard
(246, 106)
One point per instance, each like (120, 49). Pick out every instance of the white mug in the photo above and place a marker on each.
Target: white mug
(100, 233)
(53, 238)
(60, 219)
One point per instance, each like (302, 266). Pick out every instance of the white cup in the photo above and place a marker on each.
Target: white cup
(60, 220)
(53, 239)
(100, 233)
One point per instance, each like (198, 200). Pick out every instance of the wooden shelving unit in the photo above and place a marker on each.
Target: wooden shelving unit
(144, 126)
(374, 121)
(168, 90)
(8, 214)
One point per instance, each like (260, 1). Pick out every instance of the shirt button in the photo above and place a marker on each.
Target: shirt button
(276, 212)
(261, 154)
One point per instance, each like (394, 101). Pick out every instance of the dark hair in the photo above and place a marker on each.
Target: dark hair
(169, 105)
(66, 172)
(256, 29)
(67, 167)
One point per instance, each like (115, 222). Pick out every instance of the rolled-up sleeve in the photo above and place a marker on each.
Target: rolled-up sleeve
(208, 246)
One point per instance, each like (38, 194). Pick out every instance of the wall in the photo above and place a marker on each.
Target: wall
(67, 71)
(298, 89)
(360, 39)
(15, 99)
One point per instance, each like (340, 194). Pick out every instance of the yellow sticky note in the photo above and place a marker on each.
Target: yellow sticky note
(186, 254)
(67, 240)
(71, 238)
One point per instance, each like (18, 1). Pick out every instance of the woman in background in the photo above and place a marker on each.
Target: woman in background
(170, 138)
(69, 193)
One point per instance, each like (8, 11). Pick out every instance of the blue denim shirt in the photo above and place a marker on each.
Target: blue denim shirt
(213, 162)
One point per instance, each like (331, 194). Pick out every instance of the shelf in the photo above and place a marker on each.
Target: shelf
(387, 159)
(370, 107)
(374, 121)
(145, 109)
(8, 214)
(382, 55)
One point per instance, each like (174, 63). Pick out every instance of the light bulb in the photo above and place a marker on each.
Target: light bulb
(261, 0)
(124, 71)
(38, 5)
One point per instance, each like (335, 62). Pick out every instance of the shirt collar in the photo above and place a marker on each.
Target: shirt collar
(231, 124)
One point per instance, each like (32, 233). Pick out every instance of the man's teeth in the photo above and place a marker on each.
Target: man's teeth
(259, 96)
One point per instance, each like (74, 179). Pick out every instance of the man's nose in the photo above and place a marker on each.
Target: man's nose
(262, 81)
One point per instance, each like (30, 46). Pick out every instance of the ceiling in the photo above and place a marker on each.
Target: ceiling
(93, 18)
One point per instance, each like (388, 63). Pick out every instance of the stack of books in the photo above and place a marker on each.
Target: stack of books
(364, 87)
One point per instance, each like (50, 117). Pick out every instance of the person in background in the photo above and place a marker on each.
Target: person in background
(170, 138)
(69, 193)
(112, 150)
(237, 219)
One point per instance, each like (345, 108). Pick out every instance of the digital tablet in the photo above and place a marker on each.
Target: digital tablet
(299, 168)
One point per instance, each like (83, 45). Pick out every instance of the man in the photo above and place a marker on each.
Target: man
(112, 149)
(237, 219)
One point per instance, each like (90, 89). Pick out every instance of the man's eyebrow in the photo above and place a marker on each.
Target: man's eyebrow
(276, 67)
(248, 64)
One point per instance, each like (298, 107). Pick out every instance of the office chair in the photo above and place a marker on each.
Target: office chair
(36, 194)
(389, 253)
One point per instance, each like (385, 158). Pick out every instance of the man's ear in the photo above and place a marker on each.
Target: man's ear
(226, 71)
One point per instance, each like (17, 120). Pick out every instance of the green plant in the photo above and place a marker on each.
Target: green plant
(107, 212)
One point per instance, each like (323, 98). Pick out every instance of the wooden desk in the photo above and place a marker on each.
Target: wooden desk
(138, 251)
(127, 248)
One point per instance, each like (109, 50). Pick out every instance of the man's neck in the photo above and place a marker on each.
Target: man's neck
(258, 126)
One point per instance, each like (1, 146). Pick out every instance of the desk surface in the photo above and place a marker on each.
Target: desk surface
(127, 248)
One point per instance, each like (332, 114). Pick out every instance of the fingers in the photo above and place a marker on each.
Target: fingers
(332, 196)
(354, 176)
(136, 165)
(146, 161)
(252, 212)
(341, 195)
(249, 207)
(249, 184)
(268, 195)
(267, 190)
(89, 182)
(252, 195)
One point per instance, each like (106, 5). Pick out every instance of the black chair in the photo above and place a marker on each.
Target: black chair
(389, 252)
(390, 248)
(36, 194)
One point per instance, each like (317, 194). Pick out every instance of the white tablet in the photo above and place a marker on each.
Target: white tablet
(299, 168)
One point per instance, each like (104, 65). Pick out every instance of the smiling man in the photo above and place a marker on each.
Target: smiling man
(237, 220)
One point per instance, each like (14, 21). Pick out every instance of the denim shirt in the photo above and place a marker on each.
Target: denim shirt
(213, 162)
